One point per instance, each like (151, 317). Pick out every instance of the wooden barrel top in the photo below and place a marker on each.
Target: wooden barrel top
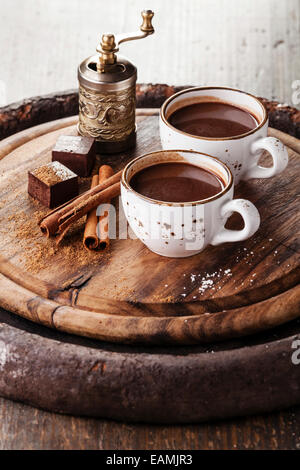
(51, 369)
(80, 376)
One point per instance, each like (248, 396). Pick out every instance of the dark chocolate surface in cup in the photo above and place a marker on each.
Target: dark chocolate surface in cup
(213, 119)
(176, 182)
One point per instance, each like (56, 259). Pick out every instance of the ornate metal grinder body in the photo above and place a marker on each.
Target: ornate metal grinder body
(107, 92)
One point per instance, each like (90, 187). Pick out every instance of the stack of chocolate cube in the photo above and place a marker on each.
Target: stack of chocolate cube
(55, 183)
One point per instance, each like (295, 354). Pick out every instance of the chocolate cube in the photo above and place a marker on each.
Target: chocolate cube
(75, 152)
(52, 184)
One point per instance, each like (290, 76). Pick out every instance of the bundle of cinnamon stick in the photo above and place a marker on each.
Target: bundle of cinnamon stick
(96, 236)
(58, 222)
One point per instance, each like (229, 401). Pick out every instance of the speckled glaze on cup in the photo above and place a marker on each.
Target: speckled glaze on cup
(179, 230)
(241, 153)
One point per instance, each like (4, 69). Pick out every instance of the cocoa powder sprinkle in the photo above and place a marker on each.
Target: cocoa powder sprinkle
(53, 173)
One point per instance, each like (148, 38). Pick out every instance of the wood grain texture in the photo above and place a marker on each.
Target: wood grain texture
(252, 285)
(78, 376)
(23, 427)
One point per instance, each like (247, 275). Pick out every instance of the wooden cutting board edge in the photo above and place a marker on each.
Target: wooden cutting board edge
(151, 330)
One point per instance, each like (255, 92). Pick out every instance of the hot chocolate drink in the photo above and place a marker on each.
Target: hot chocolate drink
(213, 119)
(176, 182)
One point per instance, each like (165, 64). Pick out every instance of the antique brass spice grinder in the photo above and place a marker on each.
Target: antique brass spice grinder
(107, 92)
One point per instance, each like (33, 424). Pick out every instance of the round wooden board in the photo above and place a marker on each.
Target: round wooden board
(129, 294)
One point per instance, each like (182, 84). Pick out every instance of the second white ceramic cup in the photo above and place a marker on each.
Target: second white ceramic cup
(179, 230)
(241, 153)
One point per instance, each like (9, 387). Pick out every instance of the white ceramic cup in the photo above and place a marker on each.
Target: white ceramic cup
(241, 153)
(179, 230)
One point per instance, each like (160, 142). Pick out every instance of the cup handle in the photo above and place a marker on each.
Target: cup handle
(278, 153)
(251, 220)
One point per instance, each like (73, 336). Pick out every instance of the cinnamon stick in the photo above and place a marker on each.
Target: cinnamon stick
(58, 222)
(90, 238)
(96, 228)
(105, 172)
